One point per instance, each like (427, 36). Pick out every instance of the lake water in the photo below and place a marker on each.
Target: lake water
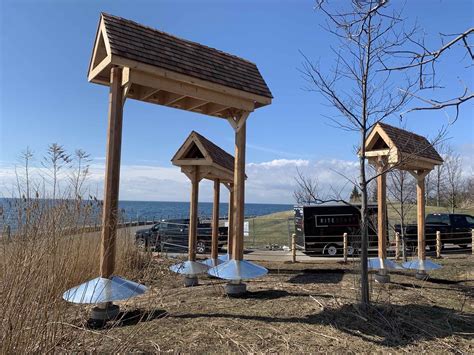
(147, 210)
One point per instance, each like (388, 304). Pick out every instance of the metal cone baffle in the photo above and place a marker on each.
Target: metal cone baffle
(103, 290)
(210, 262)
(237, 270)
(189, 268)
(383, 264)
(421, 265)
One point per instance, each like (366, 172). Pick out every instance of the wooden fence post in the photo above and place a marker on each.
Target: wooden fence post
(472, 241)
(438, 244)
(397, 246)
(293, 248)
(345, 246)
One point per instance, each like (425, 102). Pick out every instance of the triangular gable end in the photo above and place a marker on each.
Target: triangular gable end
(377, 143)
(191, 152)
(378, 139)
(101, 54)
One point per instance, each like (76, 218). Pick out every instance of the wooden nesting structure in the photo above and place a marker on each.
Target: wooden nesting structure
(389, 147)
(141, 63)
(199, 158)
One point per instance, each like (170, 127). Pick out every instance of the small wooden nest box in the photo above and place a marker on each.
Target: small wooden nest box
(213, 162)
(402, 149)
(166, 70)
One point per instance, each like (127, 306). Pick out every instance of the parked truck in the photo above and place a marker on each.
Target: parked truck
(319, 228)
(455, 229)
(172, 235)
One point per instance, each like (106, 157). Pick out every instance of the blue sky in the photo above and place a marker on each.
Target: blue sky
(45, 97)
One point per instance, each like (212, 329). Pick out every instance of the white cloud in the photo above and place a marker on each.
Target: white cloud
(268, 182)
(281, 163)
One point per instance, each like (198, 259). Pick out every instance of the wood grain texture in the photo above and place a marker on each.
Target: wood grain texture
(112, 174)
(215, 220)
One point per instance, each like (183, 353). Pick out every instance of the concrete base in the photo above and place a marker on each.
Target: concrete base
(190, 281)
(382, 278)
(421, 275)
(105, 313)
(235, 288)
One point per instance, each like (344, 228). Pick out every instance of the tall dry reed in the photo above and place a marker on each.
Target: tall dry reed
(48, 253)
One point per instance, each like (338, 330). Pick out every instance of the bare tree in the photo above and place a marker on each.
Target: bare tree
(453, 166)
(424, 61)
(438, 174)
(401, 197)
(307, 188)
(54, 162)
(80, 171)
(357, 85)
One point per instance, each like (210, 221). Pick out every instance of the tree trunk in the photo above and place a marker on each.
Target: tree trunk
(364, 275)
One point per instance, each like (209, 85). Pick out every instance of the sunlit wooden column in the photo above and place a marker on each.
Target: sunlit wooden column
(231, 232)
(420, 198)
(112, 174)
(239, 189)
(193, 214)
(382, 209)
(215, 220)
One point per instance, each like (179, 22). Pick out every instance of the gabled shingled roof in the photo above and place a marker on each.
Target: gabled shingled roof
(411, 143)
(143, 44)
(215, 153)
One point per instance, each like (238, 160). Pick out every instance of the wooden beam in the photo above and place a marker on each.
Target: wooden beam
(230, 232)
(215, 220)
(239, 193)
(195, 82)
(193, 214)
(191, 104)
(112, 175)
(99, 67)
(169, 98)
(186, 89)
(420, 207)
(212, 108)
(147, 94)
(377, 153)
(382, 210)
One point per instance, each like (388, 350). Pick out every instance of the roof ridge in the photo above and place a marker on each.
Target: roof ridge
(402, 130)
(179, 38)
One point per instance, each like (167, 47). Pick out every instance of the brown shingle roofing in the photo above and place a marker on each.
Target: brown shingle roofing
(217, 154)
(143, 44)
(411, 143)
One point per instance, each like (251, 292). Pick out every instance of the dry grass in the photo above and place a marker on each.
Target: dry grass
(40, 263)
(303, 308)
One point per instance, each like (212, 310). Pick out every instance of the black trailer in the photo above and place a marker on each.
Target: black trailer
(319, 228)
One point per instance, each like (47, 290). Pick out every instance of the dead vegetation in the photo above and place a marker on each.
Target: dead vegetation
(303, 307)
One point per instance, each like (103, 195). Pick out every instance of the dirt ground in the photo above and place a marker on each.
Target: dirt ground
(303, 307)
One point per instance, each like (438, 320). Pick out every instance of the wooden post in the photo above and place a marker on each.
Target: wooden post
(438, 244)
(420, 196)
(215, 220)
(345, 246)
(472, 241)
(239, 190)
(293, 248)
(193, 213)
(112, 174)
(397, 246)
(230, 231)
(382, 208)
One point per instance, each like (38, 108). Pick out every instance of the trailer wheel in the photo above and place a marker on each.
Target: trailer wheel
(141, 244)
(331, 250)
(200, 247)
(350, 250)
